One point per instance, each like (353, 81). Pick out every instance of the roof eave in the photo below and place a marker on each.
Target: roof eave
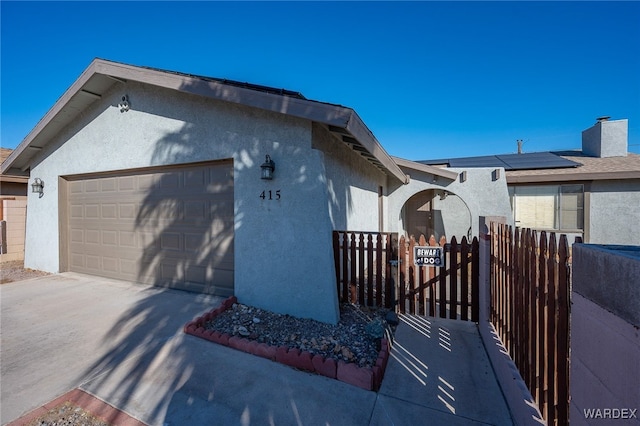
(573, 177)
(436, 171)
(359, 130)
(14, 179)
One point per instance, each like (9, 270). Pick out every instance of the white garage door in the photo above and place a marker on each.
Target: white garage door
(170, 227)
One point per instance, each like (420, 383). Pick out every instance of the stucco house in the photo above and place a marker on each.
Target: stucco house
(13, 210)
(593, 193)
(155, 176)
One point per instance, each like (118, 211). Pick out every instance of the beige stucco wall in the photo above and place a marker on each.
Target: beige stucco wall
(14, 213)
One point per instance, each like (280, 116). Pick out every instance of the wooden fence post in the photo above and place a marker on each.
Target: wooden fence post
(464, 280)
(453, 279)
(402, 266)
(542, 321)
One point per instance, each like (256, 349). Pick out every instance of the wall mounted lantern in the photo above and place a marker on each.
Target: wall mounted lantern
(124, 104)
(37, 187)
(267, 168)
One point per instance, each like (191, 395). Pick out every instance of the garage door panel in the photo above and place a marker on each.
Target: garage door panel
(91, 186)
(77, 261)
(127, 239)
(92, 262)
(92, 211)
(110, 265)
(171, 241)
(110, 238)
(109, 185)
(171, 228)
(109, 211)
(92, 236)
(127, 211)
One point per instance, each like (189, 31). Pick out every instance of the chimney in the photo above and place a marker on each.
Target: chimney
(520, 146)
(606, 138)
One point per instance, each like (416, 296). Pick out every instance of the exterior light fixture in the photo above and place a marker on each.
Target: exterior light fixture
(37, 187)
(124, 104)
(267, 168)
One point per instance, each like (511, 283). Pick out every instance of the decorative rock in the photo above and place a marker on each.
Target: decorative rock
(315, 346)
(347, 353)
(392, 318)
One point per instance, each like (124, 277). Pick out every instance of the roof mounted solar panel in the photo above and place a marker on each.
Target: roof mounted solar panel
(536, 160)
(528, 161)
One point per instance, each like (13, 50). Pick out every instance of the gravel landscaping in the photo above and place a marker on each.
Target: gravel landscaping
(355, 339)
(68, 414)
(14, 271)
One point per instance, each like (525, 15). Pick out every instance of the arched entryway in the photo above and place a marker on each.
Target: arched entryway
(436, 212)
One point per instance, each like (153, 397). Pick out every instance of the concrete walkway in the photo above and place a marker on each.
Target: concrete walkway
(123, 344)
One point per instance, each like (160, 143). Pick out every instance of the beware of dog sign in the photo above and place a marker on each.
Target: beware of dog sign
(428, 256)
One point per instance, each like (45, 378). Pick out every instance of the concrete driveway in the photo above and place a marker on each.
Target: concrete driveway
(123, 343)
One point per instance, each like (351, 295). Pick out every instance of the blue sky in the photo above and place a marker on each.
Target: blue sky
(430, 79)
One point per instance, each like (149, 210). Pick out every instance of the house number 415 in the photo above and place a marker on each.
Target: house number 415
(270, 195)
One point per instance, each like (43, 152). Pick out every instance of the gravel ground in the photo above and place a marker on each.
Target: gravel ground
(14, 271)
(353, 339)
(68, 414)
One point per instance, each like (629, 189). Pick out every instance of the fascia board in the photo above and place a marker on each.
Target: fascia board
(359, 131)
(302, 108)
(573, 177)
(14, 179)
(437, 171)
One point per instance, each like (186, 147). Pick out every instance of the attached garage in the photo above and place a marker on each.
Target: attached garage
(155, 177)
(169, 227)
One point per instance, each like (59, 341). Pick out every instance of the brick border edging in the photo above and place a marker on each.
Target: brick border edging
(363, 377)
(100, 409)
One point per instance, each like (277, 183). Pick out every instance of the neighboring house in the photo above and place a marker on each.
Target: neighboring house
(593, 193)
(13, 213)
(154, 176)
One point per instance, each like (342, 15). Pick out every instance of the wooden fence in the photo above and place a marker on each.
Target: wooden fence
(363, 267)
(375, 269)
(530, 284)
(448, 291)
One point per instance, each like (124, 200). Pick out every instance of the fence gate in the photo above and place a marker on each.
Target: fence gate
(377, 269)
(446, 291)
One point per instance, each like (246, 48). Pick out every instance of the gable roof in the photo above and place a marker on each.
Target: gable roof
(343, 122)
